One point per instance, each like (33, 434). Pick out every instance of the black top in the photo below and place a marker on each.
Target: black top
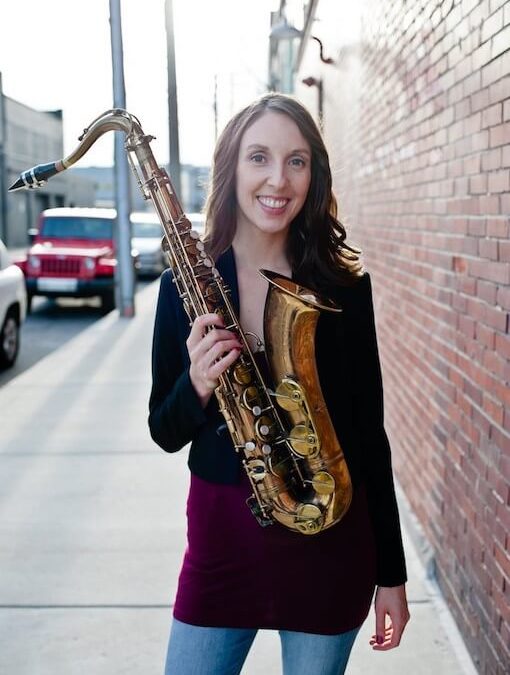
(350, 377)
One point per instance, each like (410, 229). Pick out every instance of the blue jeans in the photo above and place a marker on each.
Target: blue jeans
(197, 650)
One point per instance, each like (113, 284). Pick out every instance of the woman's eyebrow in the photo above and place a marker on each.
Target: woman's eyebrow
(259, 146)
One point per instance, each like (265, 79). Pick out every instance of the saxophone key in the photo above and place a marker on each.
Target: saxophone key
(250, 399)
(264, 428)
(304, 441)
(242, 375)
(323, 483)
(308, 519)
(289, 395)
(256, 469)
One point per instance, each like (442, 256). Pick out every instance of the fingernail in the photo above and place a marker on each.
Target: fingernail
(379, 639)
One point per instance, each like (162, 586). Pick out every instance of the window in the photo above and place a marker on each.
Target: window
(77, 228)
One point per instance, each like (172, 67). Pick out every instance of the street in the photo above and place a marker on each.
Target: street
(51, 324)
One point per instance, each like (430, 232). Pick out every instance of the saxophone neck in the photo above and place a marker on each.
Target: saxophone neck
(111, 120)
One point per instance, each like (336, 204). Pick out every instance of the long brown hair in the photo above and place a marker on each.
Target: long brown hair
(316, 245)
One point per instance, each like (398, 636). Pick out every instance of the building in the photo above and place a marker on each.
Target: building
(194, 182)
(415, 106)
(29, 137)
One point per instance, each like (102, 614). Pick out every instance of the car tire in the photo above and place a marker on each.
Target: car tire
(9, 339)
(108, 302)
(30, 297)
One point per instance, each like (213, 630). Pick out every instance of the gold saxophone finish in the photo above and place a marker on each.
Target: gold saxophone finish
(290, 451)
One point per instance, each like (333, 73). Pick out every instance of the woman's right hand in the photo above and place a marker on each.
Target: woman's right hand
(211, 352)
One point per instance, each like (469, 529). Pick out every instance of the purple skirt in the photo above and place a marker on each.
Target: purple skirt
(237, 574)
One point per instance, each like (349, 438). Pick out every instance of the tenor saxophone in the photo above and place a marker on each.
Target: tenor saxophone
(284, 434)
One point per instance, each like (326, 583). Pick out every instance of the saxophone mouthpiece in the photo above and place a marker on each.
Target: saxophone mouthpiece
(37, 176)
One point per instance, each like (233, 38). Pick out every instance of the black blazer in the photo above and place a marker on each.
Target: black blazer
(350, 376)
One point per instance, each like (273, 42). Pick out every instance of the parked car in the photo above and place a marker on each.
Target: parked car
(147, 234)
(73, 255)
(13, 302)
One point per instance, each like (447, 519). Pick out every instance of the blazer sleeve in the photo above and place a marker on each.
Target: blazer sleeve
(376, 453)
(175, 411)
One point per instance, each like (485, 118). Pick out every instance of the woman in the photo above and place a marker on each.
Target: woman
(271, 206)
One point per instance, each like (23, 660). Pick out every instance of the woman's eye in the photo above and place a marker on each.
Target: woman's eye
(258, 158)
(297, 161)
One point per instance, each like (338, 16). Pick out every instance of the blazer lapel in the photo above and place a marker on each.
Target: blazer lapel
(226, 265)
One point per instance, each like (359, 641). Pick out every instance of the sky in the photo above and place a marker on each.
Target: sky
(56, 54)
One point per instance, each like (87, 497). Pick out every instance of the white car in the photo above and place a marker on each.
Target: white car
(147, 234)
(13, 306)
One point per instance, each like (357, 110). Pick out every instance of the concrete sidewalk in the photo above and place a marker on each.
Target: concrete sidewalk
(92, 525)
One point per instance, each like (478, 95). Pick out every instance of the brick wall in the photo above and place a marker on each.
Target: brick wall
(417, 120)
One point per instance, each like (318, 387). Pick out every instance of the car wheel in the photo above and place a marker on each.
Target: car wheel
(108, 302)
(9, 340)
(29, 302)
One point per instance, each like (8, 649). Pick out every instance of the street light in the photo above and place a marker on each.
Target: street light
(284, 31)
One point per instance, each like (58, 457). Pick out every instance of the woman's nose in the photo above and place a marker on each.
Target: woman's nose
(277, 177)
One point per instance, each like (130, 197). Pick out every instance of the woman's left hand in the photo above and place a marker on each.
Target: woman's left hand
(389, 601)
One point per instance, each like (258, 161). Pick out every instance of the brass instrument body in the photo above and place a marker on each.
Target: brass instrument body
(299, 478)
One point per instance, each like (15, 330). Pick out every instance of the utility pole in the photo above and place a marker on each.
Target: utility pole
(3, 171)
(124, 271)
(173, 119)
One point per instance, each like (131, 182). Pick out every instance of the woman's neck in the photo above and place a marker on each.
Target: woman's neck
(267, 252)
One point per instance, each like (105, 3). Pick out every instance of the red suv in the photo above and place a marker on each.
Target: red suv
(73, 255)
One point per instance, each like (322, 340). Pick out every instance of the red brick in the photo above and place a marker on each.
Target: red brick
(486, 290)
(499, 134)
(491, 159)
(505, 160)
(486, 336)
(478, 184)
(497, 318)
(492, 25)
(503, 297)
(500, 42)
(488, 248)
(504, 251)
(505, 204)
(492, 115)
(499, 90)
(479, 100)
(481, 56)
(498, 227)
(499, 181)
(490, 204)
(503, 345)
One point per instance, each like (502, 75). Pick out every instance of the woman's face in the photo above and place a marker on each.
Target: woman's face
(272, 175)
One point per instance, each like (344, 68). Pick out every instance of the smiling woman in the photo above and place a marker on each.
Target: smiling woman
(328, 475)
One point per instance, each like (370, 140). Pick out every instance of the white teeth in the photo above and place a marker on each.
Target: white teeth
(273, 203)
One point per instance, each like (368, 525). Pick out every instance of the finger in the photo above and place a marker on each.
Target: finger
(218, 335)
(223, 363)
(201, 324)
(391, 641)
(219, 349)
(380, 623)
(198, 351)
(398, 629)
